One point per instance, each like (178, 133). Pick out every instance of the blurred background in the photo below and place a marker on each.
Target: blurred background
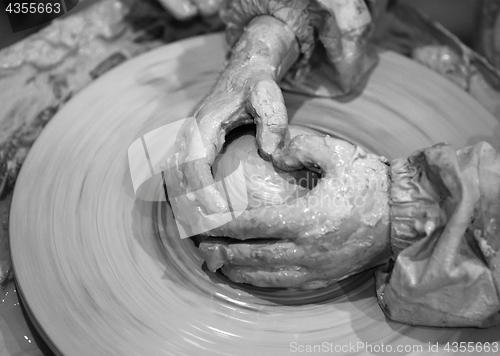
(8, 37)
(459, 16)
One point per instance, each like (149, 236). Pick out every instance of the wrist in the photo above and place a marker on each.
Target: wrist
(268, 46)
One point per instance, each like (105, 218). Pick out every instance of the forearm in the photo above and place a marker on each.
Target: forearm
(264, 53)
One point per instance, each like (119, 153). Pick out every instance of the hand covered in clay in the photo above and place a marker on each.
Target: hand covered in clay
(246, 91)
(338, 228)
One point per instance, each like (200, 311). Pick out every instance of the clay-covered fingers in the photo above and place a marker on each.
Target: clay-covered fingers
(338, 228)
(281, 264)
(349, 243)
(288, 221)
(218, 252)
(196, 152)
(217, 114)
(200, 142)
(307, 262)
(307, 252)
(244, 92)
(279, 277)
(267, 106)
(326, 154)
(222, 110)
(350, 178)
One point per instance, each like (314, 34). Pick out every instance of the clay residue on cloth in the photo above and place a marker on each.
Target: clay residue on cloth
(445, 209)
